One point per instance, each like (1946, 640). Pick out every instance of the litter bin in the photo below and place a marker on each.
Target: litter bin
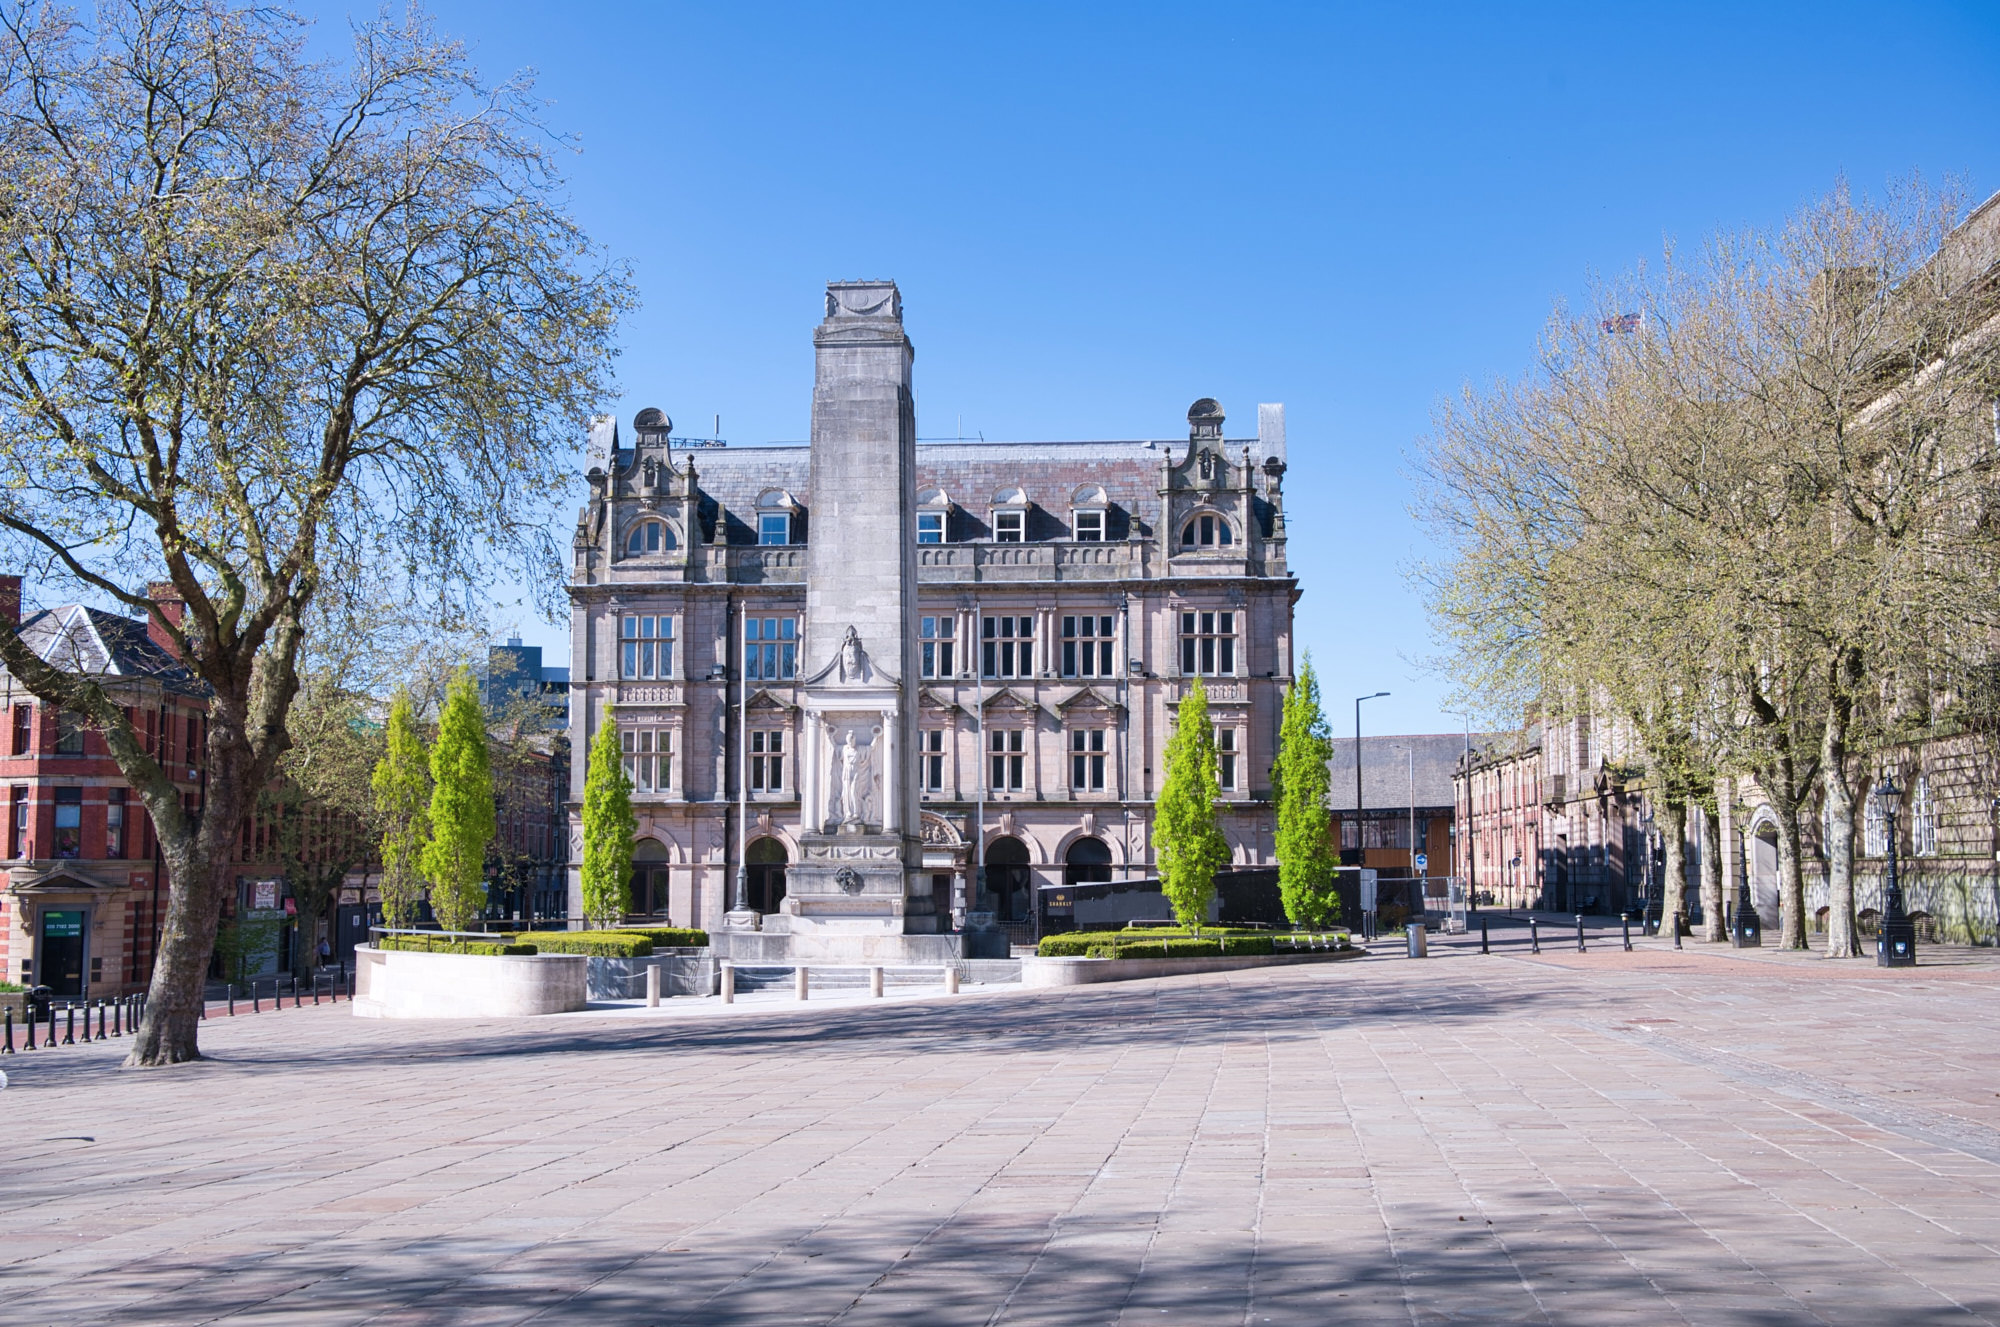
(39, 1001)
(1419, 948)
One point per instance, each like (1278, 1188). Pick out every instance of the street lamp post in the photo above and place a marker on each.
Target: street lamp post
(1748, 932)
(1649, 921)
(1896, 941)
(1360, 848)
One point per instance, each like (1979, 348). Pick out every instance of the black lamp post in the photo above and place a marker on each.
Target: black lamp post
(1896, 941)
(1748, 931)
(1649, 918)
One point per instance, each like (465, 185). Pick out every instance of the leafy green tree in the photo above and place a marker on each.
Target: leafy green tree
(1185, 828)
(608, 829)
(1301, 782)
(403, 809)
(454, 861)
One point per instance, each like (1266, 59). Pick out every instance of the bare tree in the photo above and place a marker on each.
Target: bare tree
(272, 326)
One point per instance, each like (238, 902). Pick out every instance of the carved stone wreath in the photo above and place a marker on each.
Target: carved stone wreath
(848, 879)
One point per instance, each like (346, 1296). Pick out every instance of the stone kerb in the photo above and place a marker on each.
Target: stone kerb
(409, 984)
(1037, 971)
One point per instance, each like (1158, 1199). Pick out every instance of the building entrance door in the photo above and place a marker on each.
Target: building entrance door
(60, 967)
(766, 874)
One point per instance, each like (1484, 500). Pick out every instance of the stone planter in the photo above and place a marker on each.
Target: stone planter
(396, 983)
(1089, 971)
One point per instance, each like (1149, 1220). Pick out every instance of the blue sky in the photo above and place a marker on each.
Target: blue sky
(1099, 213)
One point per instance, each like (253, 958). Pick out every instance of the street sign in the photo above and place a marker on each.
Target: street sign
(1423, 861)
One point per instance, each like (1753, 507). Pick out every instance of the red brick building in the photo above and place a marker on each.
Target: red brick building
(84, 886)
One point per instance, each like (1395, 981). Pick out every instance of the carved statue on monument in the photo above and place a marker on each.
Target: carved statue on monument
(851, 763)
(853, 659)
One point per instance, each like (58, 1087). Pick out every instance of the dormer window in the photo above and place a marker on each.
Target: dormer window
(1207, 531)
(649, 537)
(1087, 507)
(777, 511)
(1089, 527)
(930, 527)
(1010, 515)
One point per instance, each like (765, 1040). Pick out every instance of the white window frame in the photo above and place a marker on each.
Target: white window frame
(770, 647)
(1923, 820)
(937, 645)
(1874, 828)
(1089, 754)
(1015, 648)
(646, 646)
(1208, 529)
(1208, 642)
(1087, 525)
(1228, 756)
(765, 526)
(767, 760)
(1010, 525)
(648, 755)
(930, 527)
(1007, 759)
(930, 759)
(1089, 645)
(665, 541)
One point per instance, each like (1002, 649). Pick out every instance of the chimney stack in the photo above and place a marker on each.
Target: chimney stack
(10, 600)
(172, 607)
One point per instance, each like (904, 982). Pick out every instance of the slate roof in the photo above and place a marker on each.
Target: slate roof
(79, 639)
(1385, 770)
(970, 473)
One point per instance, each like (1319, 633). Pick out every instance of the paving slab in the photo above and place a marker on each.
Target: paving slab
(1655, 1136)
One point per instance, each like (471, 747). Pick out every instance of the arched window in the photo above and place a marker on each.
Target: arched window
(1207, 531)
(1874, 828)
(1923, 820)
(1087, 862)
(649, 537)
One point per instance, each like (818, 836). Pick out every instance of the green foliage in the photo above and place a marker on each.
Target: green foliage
(1185, 828)
(11, 988)
(601, 944)
(669, 937)
(440, 944)
(608, 829)
(1158, 942)
(1301, 782)
(402, 785)
(244, 943)
(461, 808)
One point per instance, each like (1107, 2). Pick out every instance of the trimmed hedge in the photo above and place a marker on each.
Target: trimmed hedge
(1155, 944)
(598, 944)
(424, 944)
(669, 937)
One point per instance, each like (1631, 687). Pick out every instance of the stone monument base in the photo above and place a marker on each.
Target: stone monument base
(859, 949)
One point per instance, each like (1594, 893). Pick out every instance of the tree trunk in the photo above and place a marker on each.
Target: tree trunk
(1712, 928)
(1673, 889)
(1842, 938)
(1791, 881)
(200, 863)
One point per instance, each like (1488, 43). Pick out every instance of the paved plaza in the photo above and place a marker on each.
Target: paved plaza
(1591, 1138)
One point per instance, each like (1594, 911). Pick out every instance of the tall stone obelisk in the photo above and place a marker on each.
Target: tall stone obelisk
(849, 897)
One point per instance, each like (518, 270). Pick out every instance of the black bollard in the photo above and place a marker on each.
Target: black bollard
(31, 1026)
(1484, 947)
(229, 991)
(1534, 937)
(295, 992)
(86, 1022)
(1579, 933)
(100, 1020)
(1625, 923)
(1677, 930)
(255, 1007)
(69, 1025)
(315, 981)
(118, 1016)
(9, 1049)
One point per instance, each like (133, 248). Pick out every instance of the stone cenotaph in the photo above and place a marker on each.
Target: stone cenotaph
(853, 895)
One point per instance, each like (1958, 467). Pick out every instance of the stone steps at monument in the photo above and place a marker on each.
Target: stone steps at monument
(765, 977)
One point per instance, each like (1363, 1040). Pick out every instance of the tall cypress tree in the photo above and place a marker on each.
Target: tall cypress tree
(1185, 828)
(1301, 781)
(608, 829)
(402, 784)
(461, 808)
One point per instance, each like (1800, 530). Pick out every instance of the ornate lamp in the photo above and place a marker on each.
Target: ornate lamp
(1896, 941)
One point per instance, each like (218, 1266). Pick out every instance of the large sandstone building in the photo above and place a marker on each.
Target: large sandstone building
(845, 677)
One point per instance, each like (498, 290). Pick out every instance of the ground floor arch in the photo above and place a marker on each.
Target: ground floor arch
(764, 870)
(1087, 862)
(1009, 881)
